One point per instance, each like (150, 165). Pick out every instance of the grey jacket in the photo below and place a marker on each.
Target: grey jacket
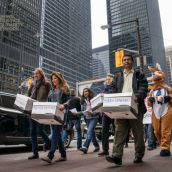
(41, 92)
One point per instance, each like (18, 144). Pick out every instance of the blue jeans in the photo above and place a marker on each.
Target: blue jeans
(77, 124)
(91, 135)
(149, 135)
(35, 128)
(56, 140)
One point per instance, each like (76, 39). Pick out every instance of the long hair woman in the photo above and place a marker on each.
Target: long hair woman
(60, 94)
(39, 91)
(91, 119)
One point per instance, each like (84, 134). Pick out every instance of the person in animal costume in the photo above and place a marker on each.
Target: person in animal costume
(160, 99)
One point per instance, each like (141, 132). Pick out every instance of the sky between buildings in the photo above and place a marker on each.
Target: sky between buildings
(99, 18)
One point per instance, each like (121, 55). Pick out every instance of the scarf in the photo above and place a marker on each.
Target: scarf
(37, 84)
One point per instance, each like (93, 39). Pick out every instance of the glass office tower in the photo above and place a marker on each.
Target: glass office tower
(100, 63)
(19, 48)
(65, 43)
(124, 35)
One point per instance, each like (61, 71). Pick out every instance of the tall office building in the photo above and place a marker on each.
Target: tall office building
(168, 52)
(18, 48)
(100, 63)
(65, 43)
(124, 34)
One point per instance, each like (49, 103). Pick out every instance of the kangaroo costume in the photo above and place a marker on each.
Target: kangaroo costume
(161, 101)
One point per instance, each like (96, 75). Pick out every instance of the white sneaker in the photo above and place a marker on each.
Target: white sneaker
(46, 159)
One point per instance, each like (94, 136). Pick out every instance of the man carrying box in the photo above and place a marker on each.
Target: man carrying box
(107, 121)
(130, 80)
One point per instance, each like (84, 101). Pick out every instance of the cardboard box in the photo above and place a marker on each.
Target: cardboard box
(24, 103)
(120, 106)
(47, 113)
(97, 102)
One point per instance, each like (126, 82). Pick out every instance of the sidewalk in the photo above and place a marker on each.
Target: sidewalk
(78, 162)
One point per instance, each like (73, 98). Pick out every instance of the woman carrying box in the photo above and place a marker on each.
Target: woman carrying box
(39, 91)
(60, 94)
(91, 119)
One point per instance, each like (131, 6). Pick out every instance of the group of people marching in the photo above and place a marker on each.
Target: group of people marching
(128, 80)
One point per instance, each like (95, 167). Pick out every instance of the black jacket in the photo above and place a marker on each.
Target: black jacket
(139, 85)
(110, 88)
(74, 102)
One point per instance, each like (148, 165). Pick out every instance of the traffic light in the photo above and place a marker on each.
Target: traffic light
(118, 58)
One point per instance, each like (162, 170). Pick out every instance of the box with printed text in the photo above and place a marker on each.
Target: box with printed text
(120, 106)
(47, 113)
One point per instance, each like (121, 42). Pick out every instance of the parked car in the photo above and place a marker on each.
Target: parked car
(14, 124)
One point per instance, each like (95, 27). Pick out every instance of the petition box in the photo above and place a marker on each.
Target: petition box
(97, 102)
(47, 113)
(120, 106)
(24, 103)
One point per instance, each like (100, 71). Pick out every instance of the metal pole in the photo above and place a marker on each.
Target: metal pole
(139, 45)
(138, 38)
(20, 63)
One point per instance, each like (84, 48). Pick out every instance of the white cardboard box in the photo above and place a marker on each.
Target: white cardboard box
(24, 103)
(97, 102)
(47, 113)
(120, 106)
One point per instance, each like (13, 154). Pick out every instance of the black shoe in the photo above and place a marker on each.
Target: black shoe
(154, 146)
(84, 150)
(138, 160)
(34, 156)
(96, 149)
(165, 152)
(149, 148)
(103, 153)
(114, 159)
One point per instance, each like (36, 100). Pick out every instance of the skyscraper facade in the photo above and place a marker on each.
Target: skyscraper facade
(100, 63)
(65, 43)
(168, 52)
(18, 48)
(122, 17)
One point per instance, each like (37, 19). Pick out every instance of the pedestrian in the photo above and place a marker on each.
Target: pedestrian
(60, 94)
(149, 135)
(73, 107)
(91, 119)
(130, 80)
(39, 91)
(107, 121)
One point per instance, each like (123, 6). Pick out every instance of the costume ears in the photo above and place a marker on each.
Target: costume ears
(157, 68)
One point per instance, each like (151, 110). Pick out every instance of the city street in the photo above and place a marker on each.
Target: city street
(85, 69)
(16, 162)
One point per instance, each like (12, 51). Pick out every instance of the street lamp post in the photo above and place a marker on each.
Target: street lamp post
(139, 45)
(125, 49)
(21, 69)
(103, 27)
